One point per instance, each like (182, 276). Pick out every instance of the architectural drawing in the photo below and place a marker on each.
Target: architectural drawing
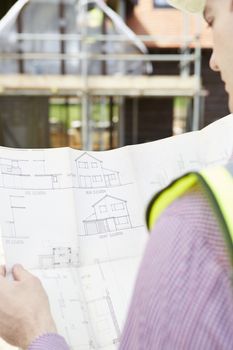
(12, 172)
(2, 253)
(161, 179)
(110, 214)
(103, 316)
(92, 174)
(68, 306)
(12, 228)
(50, 181)
(79, 242)
(60, 257)
(107, 290)
(26, 174)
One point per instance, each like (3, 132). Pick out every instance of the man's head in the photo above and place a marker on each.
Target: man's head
(219, 16)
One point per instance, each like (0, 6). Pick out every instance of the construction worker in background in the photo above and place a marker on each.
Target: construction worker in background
(183, 297)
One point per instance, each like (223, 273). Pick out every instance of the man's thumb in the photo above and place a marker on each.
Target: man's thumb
(19, 273)
(2, 271)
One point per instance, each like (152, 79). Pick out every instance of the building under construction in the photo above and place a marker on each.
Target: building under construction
(97, 75)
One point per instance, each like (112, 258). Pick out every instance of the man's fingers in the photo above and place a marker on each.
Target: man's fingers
(19, 273)
(2, 271)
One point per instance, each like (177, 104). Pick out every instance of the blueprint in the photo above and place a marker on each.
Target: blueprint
(76, 219)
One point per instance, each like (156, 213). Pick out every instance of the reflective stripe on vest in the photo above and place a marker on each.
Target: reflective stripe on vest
(217, 182)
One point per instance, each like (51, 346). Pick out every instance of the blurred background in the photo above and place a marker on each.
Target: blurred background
(98, 75)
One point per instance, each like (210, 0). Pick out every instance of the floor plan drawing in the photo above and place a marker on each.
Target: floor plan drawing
(39, 237)
(106, 303)
(110, 214)
(103, 314)
(60, 257)
(68, 306)
(92, 174)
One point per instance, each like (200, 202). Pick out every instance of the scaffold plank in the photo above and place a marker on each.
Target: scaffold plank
(69, 85)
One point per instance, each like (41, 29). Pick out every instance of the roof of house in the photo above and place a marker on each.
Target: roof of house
(86, 155)
(109, 171)
(108, 196)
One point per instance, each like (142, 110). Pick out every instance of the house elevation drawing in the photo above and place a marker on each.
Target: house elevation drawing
(110, 214)
(92, 174)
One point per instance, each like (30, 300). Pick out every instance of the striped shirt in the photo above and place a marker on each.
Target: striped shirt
(183, 298)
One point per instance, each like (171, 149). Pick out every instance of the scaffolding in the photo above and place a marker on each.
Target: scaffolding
(86, 86)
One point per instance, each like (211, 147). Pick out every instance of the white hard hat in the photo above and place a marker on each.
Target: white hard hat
(194, 6)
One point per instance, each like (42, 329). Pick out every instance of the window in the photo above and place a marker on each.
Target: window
(161, 3)
(83, 165)
(97, 178)
(122, 220)
(103, 208)
(94, 165)
(112, 177)
(117, 206)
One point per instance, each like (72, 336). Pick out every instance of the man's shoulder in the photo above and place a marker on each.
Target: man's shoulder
(191, 219)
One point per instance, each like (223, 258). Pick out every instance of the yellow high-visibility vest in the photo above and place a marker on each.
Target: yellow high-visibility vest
(217, 182)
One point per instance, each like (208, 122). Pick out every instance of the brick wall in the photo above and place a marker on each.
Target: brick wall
(146, 19)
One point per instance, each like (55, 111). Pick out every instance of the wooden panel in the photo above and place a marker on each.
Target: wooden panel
(99, 85)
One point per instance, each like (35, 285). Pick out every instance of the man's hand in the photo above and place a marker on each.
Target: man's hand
(24, 308)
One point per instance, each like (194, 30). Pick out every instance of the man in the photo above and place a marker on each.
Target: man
(183, 297)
